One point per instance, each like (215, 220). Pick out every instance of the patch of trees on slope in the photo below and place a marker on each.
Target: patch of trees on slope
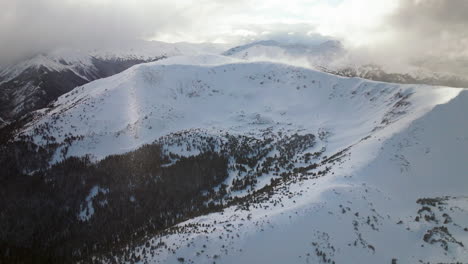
(143, 195)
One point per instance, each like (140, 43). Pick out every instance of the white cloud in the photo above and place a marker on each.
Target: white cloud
(353, 21)
(28, 26)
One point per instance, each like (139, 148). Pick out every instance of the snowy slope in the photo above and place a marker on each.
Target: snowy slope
(381, 148)
(368, 211)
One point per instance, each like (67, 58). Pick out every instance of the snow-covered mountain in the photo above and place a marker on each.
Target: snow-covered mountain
(332, 57)
(33, 83)
(301, 166)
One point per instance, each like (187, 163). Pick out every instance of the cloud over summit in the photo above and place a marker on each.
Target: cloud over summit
(427, 31)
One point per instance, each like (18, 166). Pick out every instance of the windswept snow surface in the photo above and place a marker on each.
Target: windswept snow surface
(396, 144)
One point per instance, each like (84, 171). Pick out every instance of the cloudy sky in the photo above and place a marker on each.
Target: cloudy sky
(391, 28)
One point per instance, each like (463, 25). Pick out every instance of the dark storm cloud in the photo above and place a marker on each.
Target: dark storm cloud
(433, 32)
(432, 17)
